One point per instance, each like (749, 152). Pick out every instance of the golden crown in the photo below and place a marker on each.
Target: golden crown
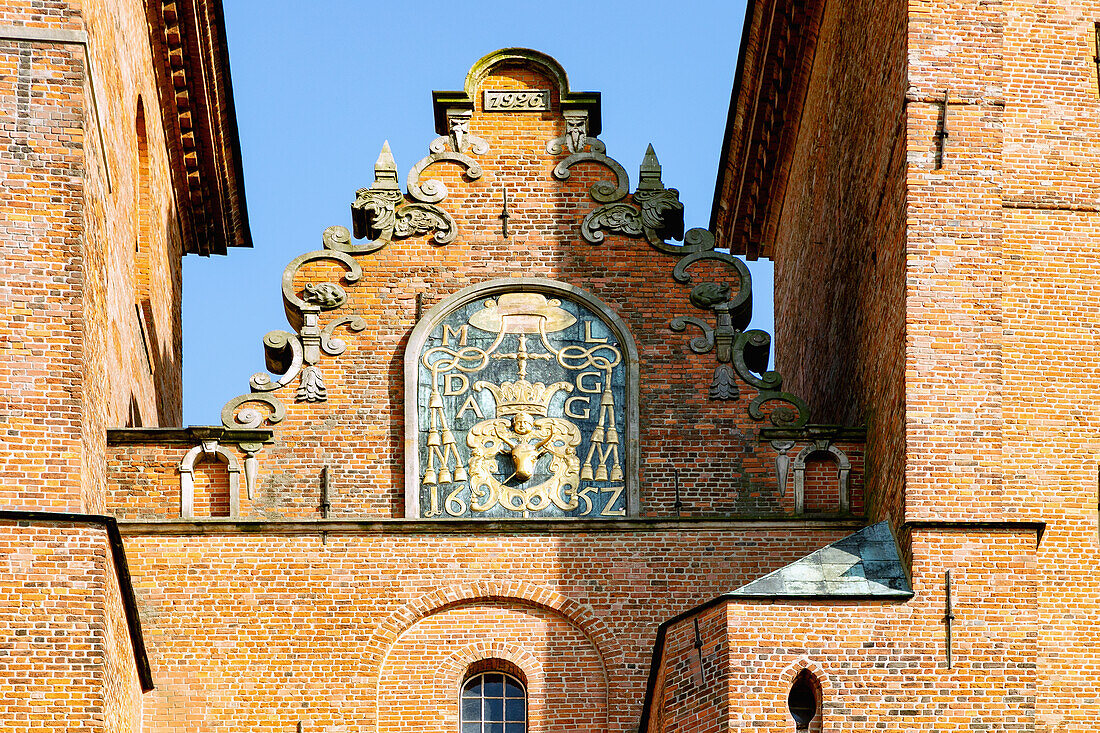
(523, 396)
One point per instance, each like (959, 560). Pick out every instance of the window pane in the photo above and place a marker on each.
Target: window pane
(491, 699)
(494, 685)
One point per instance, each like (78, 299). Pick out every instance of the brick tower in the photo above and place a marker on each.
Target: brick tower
(118, 156)
(918, 174)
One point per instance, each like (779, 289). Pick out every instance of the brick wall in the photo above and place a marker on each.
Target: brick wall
(839, 250)
(136, 228)
(882, 666)
(67, 663)
(254, 629)
(692, 687)
(565, 674)
(42, 269)
(145, 485)
(70, 347)
(70, 244)
(367, 621)
(986, 308)
(1009, 229)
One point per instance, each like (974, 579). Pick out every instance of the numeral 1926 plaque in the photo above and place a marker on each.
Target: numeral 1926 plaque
(517, 100)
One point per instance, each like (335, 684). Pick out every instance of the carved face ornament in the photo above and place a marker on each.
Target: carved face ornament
(460, 129)
(576, 130)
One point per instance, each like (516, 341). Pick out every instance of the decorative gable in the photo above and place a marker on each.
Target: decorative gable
(498, 335)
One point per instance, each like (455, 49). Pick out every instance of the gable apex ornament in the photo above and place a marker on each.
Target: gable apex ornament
(570, 101)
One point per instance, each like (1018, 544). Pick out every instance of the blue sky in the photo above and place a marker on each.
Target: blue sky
(320, 85)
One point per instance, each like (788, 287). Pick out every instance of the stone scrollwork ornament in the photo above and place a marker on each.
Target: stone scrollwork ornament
(380, 213)
(251, 417)
(313, 298)
(335, 346)
(324, 295)
(297, 354)
(459, 140)
(574, 141)
(655, 213)
(740, 352)
(620, 218)
(311, 388)
(423, 218)
(458, 123)
(284, 356)
(576, 138)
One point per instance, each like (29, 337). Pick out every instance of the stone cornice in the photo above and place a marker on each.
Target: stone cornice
(777, 49)
(192, 65)
(541, 527)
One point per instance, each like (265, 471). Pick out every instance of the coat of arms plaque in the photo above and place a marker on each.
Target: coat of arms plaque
(521, 409)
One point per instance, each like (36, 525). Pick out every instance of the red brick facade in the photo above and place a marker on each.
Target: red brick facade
(927, 286)
(371, 621)
(90, 247)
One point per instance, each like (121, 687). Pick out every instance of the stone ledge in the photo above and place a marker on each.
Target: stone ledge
(467, 527)
(816, 432)
(189, 436)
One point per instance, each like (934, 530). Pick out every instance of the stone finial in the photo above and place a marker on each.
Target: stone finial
(649, 174)
(385, 170)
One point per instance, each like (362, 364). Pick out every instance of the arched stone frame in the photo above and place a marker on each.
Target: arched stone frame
(187, 477)
(401, 620)
(826, 690)
(844, 468)
(455, 669)
(565, 291)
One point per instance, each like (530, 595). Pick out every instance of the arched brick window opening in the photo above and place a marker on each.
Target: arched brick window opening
(142, 238)
(821, 473)
(821, 485)
(804, 702)
(216, 490)
(493, 698)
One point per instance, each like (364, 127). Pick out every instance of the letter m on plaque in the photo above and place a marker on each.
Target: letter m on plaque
(521, 401)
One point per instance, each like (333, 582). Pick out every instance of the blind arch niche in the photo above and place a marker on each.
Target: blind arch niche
(521, 401)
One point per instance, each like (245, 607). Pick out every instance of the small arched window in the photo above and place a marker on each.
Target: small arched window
(494, 702)
(803, 700)
(143, 208)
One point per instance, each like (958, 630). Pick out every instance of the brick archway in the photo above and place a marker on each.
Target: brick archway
(804, 662)
(402, 619)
